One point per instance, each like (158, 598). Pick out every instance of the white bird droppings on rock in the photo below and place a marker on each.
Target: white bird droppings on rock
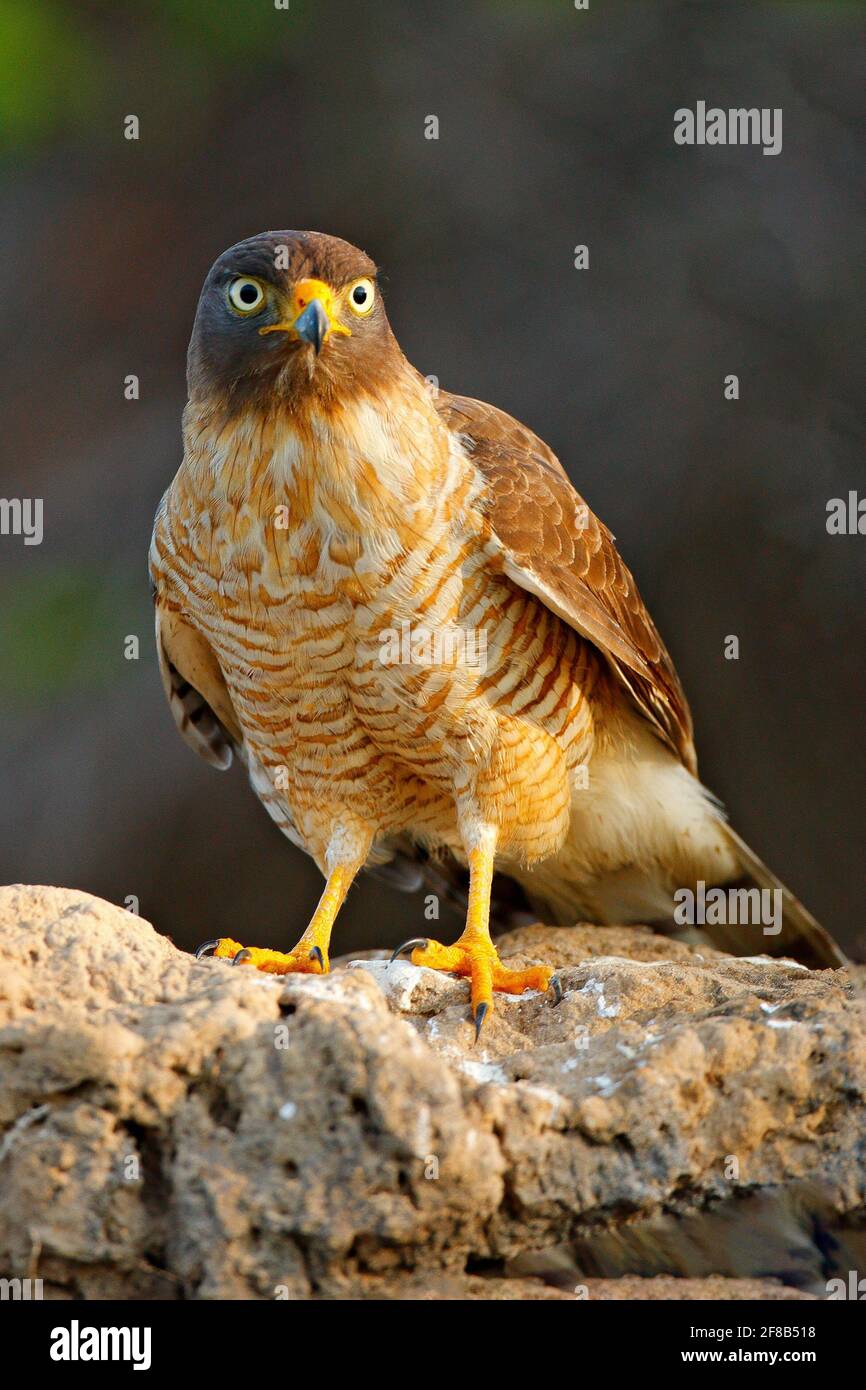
(605, 1010)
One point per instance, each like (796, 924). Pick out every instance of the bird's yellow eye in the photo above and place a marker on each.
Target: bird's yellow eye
(361, 297)
(246, 296)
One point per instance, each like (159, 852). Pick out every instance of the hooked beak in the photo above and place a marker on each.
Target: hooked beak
(316, 316)
(312, 325)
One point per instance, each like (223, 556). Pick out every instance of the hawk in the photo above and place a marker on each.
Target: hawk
(392, 605)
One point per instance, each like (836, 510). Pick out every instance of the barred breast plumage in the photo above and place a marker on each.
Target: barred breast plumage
(315, 624)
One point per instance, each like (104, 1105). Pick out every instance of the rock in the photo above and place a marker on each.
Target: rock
(435, 1287)
(173, 1128)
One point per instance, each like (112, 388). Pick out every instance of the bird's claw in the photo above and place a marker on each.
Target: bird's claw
(478, 959)
(416, 942)
(302, 960)
(479, 1016)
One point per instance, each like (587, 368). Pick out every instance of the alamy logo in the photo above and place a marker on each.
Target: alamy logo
(854, 1291)
(423, 646)
(77, 1343)
(737, 126)
(22, 516)
(719, 907)
(847, 517)
(20, 1289)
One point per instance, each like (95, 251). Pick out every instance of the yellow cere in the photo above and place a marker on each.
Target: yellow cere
(305, 292)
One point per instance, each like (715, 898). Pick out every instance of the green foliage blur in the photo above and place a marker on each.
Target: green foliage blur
(62, 67)
(62, 631)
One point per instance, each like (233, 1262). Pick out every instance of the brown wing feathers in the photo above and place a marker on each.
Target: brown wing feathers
(556, 548)
(195, 690)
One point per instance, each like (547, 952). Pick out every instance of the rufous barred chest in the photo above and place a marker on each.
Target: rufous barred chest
(299, 546)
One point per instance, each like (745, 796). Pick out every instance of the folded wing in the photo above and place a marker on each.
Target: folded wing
(552, 545)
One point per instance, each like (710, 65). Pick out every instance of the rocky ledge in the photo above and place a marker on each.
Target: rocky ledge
(682, 1124)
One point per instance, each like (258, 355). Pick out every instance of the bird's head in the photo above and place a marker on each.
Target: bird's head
(289, 314)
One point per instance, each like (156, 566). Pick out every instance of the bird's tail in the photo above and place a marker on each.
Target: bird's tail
(798, 934)
(745, 910)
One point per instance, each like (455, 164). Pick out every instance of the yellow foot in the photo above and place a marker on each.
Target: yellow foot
(478, 958)
(304, 960)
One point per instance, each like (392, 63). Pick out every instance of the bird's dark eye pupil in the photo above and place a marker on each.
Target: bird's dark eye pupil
(359, 295)
(249, 293)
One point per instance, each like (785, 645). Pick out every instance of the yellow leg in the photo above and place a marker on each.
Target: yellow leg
(474, 954)
(310, 956)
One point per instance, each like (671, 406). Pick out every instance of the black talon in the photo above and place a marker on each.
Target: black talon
(480, 1015)
(242, 956)
(556, 986)
(316, 954)
(206, 948)
(409, 946)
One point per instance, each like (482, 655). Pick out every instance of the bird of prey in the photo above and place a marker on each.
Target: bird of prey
(391, 603)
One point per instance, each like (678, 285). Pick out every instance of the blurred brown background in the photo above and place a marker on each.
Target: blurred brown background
(556, 128)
